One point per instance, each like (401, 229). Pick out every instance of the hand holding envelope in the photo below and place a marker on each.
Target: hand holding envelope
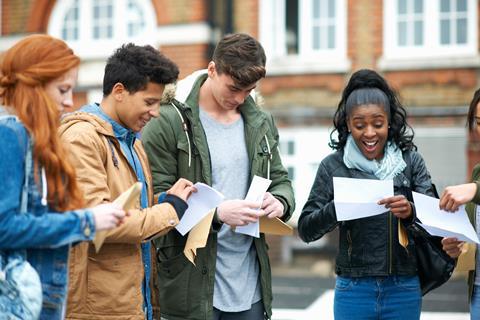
(126, 201)
(256, 192)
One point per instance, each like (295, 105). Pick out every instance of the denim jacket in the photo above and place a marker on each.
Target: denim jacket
(45, 234)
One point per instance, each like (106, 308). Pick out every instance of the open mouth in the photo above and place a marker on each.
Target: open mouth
(370, 146)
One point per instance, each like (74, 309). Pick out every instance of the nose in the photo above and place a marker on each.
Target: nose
(370, 132)
(68, 101)
(154, 113)
(240, 97)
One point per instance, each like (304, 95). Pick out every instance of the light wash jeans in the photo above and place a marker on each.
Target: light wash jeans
(475, 304)
(379, 298)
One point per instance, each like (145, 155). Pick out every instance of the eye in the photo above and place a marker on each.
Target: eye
(63, 90)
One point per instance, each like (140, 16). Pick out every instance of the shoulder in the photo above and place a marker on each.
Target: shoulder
(13, 134)
(413, 158)
(333, 162)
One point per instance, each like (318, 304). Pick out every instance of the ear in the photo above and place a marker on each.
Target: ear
(119, 91)
(211, 69)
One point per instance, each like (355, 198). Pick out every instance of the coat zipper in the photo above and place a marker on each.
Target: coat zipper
(390, 242)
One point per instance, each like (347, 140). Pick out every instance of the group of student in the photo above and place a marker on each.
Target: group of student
(206, 128)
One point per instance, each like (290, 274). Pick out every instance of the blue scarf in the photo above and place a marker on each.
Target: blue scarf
(387, 168)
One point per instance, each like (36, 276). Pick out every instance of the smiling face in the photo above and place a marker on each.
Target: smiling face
(60, 90)
(134, 110)
(368, 125)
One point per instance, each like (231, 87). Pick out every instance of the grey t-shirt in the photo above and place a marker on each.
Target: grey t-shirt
(236, 276)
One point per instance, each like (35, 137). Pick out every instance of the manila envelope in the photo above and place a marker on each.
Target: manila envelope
(126, 201)
(466, 260)
(198, 236)
(275, 226)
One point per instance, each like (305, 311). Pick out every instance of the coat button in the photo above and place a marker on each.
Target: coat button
(87, 232)
(204, 270)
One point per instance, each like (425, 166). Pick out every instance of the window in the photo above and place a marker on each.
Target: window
(135, 19)
(287, 147)
(71, 23)
(302, 36)
(102, 19)
(429, 31)
(94, 28)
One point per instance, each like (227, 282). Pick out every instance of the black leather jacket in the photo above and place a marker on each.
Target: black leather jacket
(367, 246)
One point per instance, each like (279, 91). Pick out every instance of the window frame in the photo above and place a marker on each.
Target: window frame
(86, 46)
(307, 60)
(432, 53)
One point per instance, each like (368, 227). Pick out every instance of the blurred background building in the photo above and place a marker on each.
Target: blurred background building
(428, 50)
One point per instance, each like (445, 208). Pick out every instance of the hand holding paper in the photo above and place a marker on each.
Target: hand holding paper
(442, 223)
(358, 198)
(255, 193)
(199, 205)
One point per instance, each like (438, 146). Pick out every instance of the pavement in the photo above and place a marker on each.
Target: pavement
(309, 297)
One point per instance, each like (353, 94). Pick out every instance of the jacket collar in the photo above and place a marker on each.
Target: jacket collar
(188, 90)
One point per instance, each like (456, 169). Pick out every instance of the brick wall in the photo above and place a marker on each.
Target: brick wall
(180, 11)
(246, 16)
(189, 58)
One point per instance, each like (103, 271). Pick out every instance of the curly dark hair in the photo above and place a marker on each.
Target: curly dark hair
(472, 110)
(135, 66)
(398, 125)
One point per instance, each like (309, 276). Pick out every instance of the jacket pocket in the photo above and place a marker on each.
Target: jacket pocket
(173, 281)
(106, 274)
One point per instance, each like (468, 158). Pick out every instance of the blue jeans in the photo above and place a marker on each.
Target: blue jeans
(379, 298)
(475, 304)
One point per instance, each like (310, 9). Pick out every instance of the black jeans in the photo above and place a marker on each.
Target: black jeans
(256, 312)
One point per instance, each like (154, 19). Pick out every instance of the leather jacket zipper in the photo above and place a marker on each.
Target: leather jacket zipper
(390, 242)
(349, 239)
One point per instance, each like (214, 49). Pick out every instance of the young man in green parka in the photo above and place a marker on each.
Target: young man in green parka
(212, 131)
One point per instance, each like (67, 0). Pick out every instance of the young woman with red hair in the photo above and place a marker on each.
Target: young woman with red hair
(40, 202)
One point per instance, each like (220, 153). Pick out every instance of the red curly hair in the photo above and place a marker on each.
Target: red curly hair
(25, 69)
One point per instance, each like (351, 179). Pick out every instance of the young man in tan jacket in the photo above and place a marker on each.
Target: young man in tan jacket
(115, 283)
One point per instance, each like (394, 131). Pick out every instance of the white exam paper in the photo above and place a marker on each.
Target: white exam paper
(255, 193)
(199, 205)
(357, 198)
(442, 223)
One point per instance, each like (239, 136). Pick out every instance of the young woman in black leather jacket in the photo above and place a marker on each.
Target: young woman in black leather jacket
(377, 277)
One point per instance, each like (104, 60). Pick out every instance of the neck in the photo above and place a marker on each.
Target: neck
(108, 106)
(209, 104)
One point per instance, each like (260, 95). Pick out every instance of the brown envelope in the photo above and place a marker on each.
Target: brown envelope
(197, 237)
(466, 260)
(126, 201)
(275, 226)
(402, 234)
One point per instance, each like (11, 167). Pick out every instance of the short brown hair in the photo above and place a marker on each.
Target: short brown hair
(242, 57)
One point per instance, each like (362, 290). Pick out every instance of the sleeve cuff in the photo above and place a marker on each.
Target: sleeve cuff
(88, 224)
(476, 198)
(177, 203)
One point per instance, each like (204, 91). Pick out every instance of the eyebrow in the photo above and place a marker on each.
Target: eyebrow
(234, 87)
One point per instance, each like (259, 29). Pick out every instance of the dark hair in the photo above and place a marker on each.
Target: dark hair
(241, 57)
(472, 110)
(135, 66)
(398, 125)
